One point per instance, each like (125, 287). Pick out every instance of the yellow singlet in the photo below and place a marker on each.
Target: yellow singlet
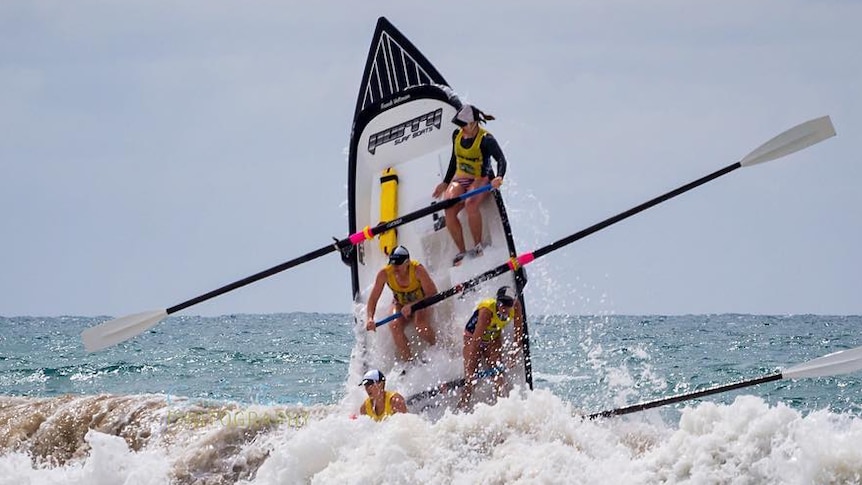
(469, 160)
(405, 294)
(387, 408)
(495, 327)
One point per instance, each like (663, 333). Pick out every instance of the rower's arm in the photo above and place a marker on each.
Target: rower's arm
(374, 297)
(398, 404)
(471, 351)
(492, 149)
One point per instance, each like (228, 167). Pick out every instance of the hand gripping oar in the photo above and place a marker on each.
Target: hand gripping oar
(115, 331)
(790, 141)
(842, 362)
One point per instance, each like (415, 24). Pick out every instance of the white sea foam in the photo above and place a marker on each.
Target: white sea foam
(538, 439)
(532, 438)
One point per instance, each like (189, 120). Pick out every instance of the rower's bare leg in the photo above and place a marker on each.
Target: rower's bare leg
(495, 364)
(423, 327)
(474, 216)
(454, 226)
(401, 346)
(464, 403)
(452, 222)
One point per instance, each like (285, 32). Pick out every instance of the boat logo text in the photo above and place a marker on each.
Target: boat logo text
(393, 102)
(399, 133)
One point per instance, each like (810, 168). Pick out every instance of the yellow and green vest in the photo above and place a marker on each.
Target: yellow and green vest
(495, 327)
(469, 160)
(405, 294)
(387, 408)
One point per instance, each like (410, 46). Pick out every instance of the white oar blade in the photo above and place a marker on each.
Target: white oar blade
(120, 329)
(792, 140)
(842, 362)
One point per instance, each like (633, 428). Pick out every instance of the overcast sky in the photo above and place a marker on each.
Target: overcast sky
(151, 151)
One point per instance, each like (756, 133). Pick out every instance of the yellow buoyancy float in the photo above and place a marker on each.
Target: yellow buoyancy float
(388, 208)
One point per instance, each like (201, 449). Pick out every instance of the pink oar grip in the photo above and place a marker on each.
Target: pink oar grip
(521, 260)
(361, 236)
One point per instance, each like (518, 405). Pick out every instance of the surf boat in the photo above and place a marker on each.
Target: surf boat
(400, 147)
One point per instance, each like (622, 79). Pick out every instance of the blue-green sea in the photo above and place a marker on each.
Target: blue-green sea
(68, 416)
(302, 358)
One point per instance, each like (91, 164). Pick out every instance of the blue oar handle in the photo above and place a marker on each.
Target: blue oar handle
(369, 232)
(490, 372)
(423, 304)
(388, 319)
(467, 195)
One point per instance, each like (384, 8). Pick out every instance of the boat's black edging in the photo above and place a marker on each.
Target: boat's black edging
(386, 37)
(408, 75)
(521, 282)
(359, 123)
(387, 47)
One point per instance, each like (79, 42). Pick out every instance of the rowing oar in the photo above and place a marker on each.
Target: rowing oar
(119, 329)
(448, 386)
(439, 389)
(842, 362)
(790, 141)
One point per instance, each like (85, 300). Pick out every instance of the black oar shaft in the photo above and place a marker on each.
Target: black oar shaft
(448, 386)
(420, 213)
(439, 389)
(634, 210)
(438, 206)
(344, 243)
(685, 397)
(255, 277)
(497, 271)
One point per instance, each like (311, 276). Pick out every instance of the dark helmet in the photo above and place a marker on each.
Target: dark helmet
(506, 296)
(399, 255)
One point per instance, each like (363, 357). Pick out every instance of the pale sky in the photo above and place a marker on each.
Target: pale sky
(151, 151)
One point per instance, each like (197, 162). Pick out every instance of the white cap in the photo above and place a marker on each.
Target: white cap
(466, 115)
(372, 376)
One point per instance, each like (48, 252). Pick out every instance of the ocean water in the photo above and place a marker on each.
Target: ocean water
(260, 399)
